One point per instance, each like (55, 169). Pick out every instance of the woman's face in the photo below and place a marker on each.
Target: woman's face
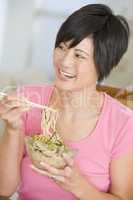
(74, 67)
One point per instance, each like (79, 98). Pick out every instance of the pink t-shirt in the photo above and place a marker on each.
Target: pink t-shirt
(111, 138)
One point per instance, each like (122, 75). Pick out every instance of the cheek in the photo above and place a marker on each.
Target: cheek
(83, 69)
(87, 71)
(56, 61)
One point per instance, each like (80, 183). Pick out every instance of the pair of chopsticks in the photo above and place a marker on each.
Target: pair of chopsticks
(32, 104)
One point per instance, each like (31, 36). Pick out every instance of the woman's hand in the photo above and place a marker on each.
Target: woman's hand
(11, 109)
(69, 178)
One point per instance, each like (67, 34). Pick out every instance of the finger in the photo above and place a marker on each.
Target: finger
(42, 172)
(13, 116)
(4, 96)
(13, 98)
(72, 153)
(9, 97)
(16, 95)
(69, 160)
(52, 170)
(54, 177)
(20, 100)
(13, 92)
(11, 105)
(59, 179)
(68, 171)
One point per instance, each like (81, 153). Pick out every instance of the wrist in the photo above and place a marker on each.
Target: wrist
(11, 131)
(13, 127)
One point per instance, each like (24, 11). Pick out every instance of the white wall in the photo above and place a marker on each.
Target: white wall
(3, 14)
(17, 40)
(18, 34)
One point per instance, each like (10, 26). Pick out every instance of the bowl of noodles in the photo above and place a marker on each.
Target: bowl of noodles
(48, 147)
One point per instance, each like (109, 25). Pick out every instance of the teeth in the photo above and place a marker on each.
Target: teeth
(67, 74)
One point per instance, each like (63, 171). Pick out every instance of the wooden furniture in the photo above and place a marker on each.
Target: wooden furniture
(4, 198)
(121, 94)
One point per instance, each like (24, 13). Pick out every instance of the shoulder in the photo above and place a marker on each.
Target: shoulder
(119, 120)
(117, 111)
(36, 87)
(38, 93)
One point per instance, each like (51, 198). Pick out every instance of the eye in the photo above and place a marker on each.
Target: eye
(79, 56)
(62, 47)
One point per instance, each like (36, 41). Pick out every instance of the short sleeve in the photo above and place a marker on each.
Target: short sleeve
(124, 141)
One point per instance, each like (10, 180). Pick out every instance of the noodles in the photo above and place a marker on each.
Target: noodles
(48, 122)
(49, 146)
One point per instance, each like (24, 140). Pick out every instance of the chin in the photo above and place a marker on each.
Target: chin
(64, 86)
(67, 86)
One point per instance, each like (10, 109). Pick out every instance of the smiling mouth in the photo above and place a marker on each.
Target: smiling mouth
(67, 75)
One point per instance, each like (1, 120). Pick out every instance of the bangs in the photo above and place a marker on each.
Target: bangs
(70, 34)
(76, 30)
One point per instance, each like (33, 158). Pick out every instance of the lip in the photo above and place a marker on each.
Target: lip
(67, 74)
(63, 77)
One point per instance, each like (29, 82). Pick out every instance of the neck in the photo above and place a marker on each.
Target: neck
(78, 101)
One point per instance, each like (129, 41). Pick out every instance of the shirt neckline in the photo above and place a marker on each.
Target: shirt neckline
(99, 121)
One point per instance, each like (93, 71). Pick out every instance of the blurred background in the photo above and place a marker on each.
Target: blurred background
(27, 35)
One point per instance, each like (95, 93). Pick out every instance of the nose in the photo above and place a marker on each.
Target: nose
(67, 60)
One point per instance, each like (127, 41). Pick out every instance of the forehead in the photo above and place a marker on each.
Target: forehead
(85, 44)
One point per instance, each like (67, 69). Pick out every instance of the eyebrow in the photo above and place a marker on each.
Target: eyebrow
(82, 51)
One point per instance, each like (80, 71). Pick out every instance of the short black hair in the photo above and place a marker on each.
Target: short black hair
(110, 34)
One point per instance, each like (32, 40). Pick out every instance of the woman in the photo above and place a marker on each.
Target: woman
(89, 44)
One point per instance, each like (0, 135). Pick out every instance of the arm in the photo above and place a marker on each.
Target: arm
(11, 145)
(70, 179)
(11, 151)
(121, 168)
(121, 172)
